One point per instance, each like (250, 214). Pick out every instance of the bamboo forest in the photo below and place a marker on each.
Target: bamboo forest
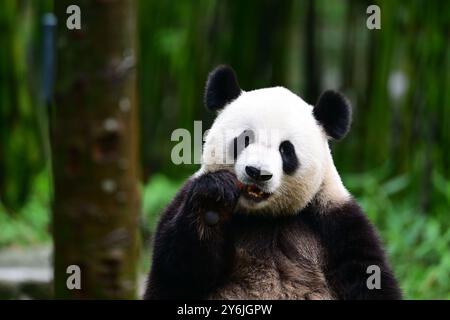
(87, 114)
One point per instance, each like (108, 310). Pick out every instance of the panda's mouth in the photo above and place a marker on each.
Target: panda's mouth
(254, 193)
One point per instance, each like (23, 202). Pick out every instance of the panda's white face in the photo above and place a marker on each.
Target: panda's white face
(273, 143)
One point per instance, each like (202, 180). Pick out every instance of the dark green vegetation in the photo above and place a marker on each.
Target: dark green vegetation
(395, 160)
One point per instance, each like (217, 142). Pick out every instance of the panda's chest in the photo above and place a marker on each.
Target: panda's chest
(275, 262)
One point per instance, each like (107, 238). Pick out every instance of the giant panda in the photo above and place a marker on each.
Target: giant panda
(267, 215)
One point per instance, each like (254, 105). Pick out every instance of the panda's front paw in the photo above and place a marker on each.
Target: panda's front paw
(214, 196)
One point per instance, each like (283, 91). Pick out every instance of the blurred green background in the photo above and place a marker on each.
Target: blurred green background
(395, 159)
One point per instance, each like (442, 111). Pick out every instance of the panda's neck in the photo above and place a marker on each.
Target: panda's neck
(332, 192)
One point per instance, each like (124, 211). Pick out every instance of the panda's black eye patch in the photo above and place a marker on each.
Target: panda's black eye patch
(288, 156)
(242, 141)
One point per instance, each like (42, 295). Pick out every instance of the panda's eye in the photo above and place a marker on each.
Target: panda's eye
(288, 156)
(286, 147)
(247, 141)
(242, 141)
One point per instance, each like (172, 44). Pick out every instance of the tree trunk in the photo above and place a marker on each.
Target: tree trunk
(94, 149)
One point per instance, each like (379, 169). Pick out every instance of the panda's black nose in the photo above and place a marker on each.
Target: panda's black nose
(257, 175)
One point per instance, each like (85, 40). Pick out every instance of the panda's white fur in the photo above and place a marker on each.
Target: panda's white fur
(275, 115)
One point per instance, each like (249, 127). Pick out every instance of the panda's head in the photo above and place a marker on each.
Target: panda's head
(275, 143)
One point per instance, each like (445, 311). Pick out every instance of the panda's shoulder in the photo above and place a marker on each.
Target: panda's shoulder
(340, 224)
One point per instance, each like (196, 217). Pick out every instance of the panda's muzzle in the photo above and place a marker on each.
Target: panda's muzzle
(253, 192)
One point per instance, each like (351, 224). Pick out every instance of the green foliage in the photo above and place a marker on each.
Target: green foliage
(156, 195)
(21, 114)
(417, 242)
(30, 224)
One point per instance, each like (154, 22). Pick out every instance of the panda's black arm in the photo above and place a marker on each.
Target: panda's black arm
(191, 256)
(352, 245)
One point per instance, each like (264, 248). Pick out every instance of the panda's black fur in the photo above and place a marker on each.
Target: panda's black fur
(221, 88)
(314, 254)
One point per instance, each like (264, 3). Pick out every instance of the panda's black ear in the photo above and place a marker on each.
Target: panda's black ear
(334, 113)
(222, 87)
